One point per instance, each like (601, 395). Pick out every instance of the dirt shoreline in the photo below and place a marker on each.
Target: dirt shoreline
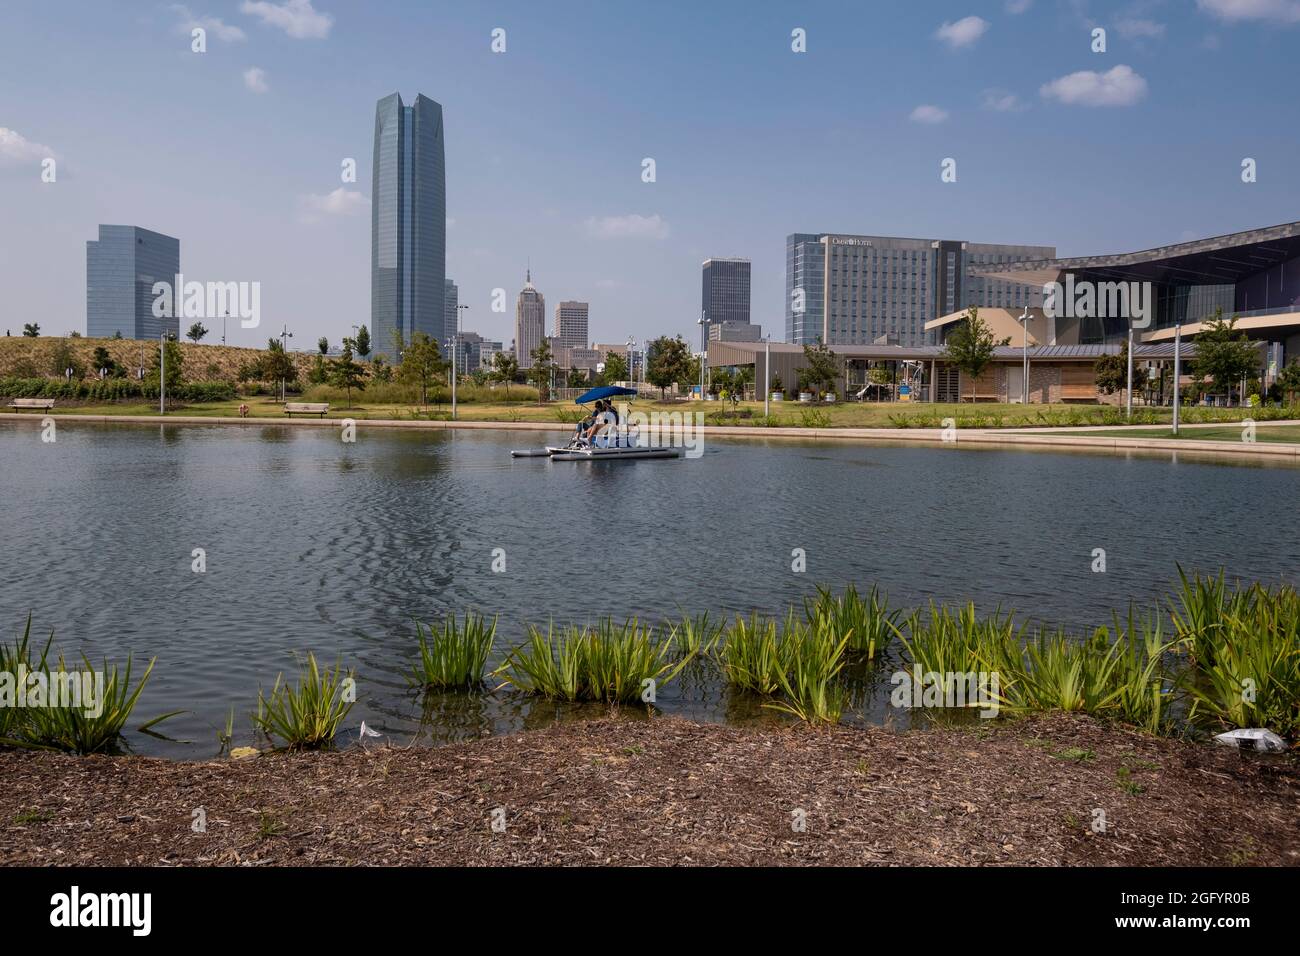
(671, 792)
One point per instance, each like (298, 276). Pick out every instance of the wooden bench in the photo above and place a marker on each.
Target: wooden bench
(45, 404)
(306, 408)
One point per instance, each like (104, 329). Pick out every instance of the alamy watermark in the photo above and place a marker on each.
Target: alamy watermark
(922, 689)
(74, 690)
(1084, 299)
(208, 300)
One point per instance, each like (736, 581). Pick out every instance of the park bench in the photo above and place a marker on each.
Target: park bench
(45, 404)
(306, 408)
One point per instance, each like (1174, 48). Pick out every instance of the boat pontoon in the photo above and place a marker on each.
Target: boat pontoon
(615, 441)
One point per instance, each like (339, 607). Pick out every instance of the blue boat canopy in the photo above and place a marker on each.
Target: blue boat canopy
(603, 391)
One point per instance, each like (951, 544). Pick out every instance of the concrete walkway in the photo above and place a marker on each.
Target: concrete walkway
(1077, 439)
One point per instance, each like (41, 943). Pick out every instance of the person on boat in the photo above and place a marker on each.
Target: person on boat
(606, 427)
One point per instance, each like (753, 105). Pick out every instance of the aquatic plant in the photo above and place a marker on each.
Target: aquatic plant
(307, 716)
(750, 655)
(868, 622)
(695, 636)
(454, 655)
(608, 662)
(814, 654)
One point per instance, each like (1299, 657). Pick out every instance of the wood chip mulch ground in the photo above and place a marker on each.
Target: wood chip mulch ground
(667, 791)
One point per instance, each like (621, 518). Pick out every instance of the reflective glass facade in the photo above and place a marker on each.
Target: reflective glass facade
(805, 272)
(408, 223)
(121, 267)
(725, 293)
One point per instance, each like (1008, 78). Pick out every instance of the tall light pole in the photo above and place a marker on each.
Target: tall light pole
(704, 348)
(1129, 400)
(631, 360)
(162, 373)
(1024, 355)
(223, 326)
(767, 376)
(455, 347)
(1178, 370)
(285, 336)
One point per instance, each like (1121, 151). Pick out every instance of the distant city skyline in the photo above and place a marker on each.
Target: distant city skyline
(265, 165)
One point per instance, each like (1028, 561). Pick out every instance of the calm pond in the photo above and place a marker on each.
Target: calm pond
(311, 543)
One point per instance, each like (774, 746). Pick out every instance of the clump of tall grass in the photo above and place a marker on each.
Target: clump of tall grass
(868, 623)
(309, 715)
(814, 654)
(1245, 647)
(16, 658)
(454, 655)
(609, 662)
(695, 637)
(752, 655)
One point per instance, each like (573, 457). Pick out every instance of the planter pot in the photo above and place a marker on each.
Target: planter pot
(830, 398)
(778, 396)
(805, 397)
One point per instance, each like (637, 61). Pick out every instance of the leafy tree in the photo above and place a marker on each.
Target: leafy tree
(668, 362)
(1223, 354)
(363, 341)
(505, 369)
(421, 364)
(347, 374)
(197, 331)
(577, 378)
(615, 369)
(175, 368)
(323, 345)
(540, 373)
(821, 368)
(275, 365)
(319, 373)
(1112, 372)
(1288, 380)
(31, 330)
(117, 334)
(380, 370)
(64, 358)
(970, 346)
(102, 359)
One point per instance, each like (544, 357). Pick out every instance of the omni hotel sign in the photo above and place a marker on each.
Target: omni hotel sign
(836, 241)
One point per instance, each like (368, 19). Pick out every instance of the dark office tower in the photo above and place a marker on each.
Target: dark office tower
(725, 293)
(122, 266)
(408, 223)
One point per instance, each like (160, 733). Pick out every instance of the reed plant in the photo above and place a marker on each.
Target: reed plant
(309, 715)
(868, 623)
(609, 662)
(814, 655)
(751, 655)
(454, 655)
(15, 659)
(696, 637)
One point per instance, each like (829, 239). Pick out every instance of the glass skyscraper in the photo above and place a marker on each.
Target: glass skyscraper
(408, 223)
(121, 267)
(724, 296)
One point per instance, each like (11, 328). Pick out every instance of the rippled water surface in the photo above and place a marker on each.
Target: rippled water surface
(316, 544)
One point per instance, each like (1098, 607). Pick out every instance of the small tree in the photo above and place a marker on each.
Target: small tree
(1288, 380)
(175, 368)
(821, 368)
(274, 365)
(64, 358)
(1112, 372)
(197, 331)
(615, 369)
(347, 374)
(505, 369)
(540, 373)
(421, 364)
(380, 370)
(668, 363)
(323, 345)
(363, 341)
(31, 330)
(576, 378)
(1223, 354)
(970, 346)
(104, 361)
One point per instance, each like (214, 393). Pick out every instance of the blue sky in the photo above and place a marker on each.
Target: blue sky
(1092, 152)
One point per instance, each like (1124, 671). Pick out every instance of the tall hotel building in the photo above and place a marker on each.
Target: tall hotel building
(121, 267)
(571, 325)
(530, 322)
(408, 223)
(859, 290)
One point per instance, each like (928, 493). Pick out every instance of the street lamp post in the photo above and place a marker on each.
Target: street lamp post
(1024, 355)
(162, 373)
(455, 347)
(1178, 370)
(767, 376)
(704, 348)
(631, 360)
(1129, 400)
(285, 336)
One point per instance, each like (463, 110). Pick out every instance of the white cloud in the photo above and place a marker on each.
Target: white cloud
(925, 113)
(1277, 11)
(1018, 6)
(1000, 101)
(962, 33)
(1118, 86)
(214, 25)
(1134, 28)
(16, 148)
(295, 17)
(255, 79)
(341, 202)
(630, 226)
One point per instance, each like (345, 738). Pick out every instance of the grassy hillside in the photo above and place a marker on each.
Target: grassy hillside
(24, 357)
